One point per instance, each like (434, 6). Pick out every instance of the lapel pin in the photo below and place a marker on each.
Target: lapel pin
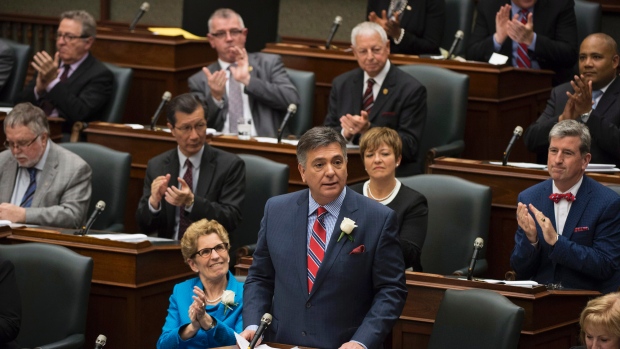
(250, 68)
(385, 91)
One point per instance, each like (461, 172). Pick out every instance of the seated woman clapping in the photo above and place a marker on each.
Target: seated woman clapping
(204, 311)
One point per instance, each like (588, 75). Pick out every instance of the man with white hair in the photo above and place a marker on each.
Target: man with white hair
(377, 94)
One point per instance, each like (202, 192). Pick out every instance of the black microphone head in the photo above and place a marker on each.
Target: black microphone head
(292, 108)
(100, 205)
(101, 339)
(518, 131)
(459, 34)
(266, 318)
(478, 243)
(145, 6)
(166, 96)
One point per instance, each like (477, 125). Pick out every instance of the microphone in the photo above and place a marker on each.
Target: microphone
(100, 342)
(457, 38)
(143, 9)
(515, 135)
(164, 99)
(265, 321)
(99, 207)
(333, 31)
(477, 247)
(292, 109)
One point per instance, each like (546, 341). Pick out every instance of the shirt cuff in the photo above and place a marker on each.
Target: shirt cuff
(532, 46)
(153, 210)
(360, 343)
(219, 104)
(496, 46)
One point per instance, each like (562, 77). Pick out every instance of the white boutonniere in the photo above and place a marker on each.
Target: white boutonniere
(347, 227)
(228, 299)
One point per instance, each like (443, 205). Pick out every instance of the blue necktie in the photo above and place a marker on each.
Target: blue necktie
(595, 95)
(32, 187)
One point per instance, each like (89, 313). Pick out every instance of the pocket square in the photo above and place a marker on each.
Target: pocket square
(359, 249)
(580, 229)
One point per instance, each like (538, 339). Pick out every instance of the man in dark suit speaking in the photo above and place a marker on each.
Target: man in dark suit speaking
(72, 84)
(377, 94)
(569, 225)
(327, 264)
(242, 88)
(192, 181)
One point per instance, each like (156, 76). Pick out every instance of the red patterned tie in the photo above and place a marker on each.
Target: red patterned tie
(557, 197)
(523, 60)
(184, 221)
(368, 99)
(316, 249)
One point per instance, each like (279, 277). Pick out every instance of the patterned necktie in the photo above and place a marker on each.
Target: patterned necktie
(47, 105)
(32, 187)
(235, 102)
(368, 99)
(595, 95)
(316, 249)
(557, 197)
(184, 221)
(523, 60)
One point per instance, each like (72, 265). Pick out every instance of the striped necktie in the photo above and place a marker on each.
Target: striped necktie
(595, 95)
(316, 248)
(235, 102)
(32, 187)
(523, 59)
(184, 221)
(368, 100)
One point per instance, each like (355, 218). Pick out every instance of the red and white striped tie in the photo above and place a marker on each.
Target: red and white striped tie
(316, 249)
(523, 59)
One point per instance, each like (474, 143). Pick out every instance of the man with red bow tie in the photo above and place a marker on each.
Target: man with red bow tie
(569, 225)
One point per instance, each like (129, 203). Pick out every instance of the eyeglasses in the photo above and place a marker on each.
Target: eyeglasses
(206, 252)
(200, 128)
(222, 33)
(20, 144)
(70, 37)
(373, 50)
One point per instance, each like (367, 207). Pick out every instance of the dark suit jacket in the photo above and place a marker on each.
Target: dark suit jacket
(83, 97)
(400, 105)
(412, 211)
(587, 254)
(63, 189)
(219, 192)
(554, 24)
(10, 306)
(355, 296)
(270, 92)
(423, 23)
(604, 125)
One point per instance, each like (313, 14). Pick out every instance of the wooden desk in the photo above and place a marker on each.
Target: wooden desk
(551, 317)
(55, 128)
(130, 288)
(500, 97)
(160, 63)
(506, 183)
(146, 144)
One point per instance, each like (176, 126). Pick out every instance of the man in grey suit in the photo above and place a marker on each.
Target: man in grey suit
(261, 89)
(40, 182)
(327, 264)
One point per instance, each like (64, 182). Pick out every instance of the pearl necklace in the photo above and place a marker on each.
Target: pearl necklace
(382, 199)
(215, 300)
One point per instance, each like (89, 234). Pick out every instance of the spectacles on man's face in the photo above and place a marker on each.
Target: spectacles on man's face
(19, 144)
(70, 37)
(222, 33)
(200, 128)
(206, 252)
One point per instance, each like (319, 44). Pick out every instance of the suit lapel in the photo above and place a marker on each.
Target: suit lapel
(300, 242)
(546, 204)
(207, 169)
(349, 206)
(382, 97)
(85, 66)
(608, 99)
(358, 92)
(171, 165)
(50, 170)
(578, 207)
(7, 180)
(252, 66)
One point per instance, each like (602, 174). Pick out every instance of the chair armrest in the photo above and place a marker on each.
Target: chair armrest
(452, 149)
(480, 268)
(73, 341)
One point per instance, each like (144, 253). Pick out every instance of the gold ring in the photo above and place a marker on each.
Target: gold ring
(544, 219)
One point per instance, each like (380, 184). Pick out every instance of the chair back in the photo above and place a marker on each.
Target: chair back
(54, 285)
(15, 83)
(459, 211)
(446, 101)
(111, 170)
(459, 16)
(263, 179)
(476, 318)
(614, 187)
(120, 90)
(589, 21)
(304, 82)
